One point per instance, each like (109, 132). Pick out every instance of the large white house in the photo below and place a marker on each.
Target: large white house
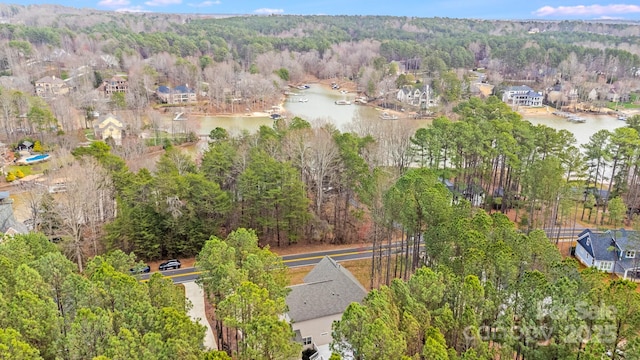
(313, 306)
(417, 97)
(521, 96)
(612, 251)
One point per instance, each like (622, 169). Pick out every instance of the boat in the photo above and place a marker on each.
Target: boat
(622, 118)
(343, 92)
(386, 116)
(303, 87)
(343, 102)
(576, 119)
(303, 100)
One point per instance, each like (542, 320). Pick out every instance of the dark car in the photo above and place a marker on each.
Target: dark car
(170, 264)
(140, 269)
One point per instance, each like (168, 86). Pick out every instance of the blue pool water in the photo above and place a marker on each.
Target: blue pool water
(36, 157)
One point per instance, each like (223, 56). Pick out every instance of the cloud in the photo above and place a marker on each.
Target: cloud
(132, 9)
(587, 10)
(114, 3)
(205, 3)
(267, 11)
(163, 2)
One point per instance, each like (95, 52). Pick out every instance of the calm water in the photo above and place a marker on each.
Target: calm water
(583, 131)
(320, 105)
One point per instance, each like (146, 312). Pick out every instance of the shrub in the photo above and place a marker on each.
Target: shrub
(19, 174)
(11, 177)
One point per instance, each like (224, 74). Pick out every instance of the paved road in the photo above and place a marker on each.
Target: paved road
(183, 275)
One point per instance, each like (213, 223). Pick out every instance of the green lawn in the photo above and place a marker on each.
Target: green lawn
(612, 105)
(89, 134)
(26, 169)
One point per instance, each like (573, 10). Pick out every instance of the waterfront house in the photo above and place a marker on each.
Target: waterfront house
(416, 97)
(521, 96)
(178, 95)
(405, 94)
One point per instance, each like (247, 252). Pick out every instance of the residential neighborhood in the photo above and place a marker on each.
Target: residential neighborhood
(270, 186)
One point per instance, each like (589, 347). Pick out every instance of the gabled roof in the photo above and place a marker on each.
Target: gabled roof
(533, 94)
(328, 289)
(406, 90)
(183, 89)
(8, 223)
(164, 89)
(50, 80)
(105, 120)
(609, 245)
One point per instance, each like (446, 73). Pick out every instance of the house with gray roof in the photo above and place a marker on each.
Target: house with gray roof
(521, 96)
(8, 223)
(313, 306)
(178, 95)
(612, 251)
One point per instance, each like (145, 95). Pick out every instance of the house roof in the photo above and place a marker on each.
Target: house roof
(8, 223)
(180, 89)
(164, 89)
(107, 119)
(327, 290)
(51, 80)
(519, 88)
(533, 94)
(183, 89)
(599, 246)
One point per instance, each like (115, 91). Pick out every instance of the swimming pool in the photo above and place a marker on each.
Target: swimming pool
(34, 159)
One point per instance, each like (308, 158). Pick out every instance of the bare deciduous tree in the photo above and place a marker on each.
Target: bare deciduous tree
(87, 203)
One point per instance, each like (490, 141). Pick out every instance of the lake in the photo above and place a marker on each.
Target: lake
(319, 104)
(582, 131)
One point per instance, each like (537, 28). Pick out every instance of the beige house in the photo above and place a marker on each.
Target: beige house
(116, 84)
(109, 126)
(51, 86)
(313, 306)
(178, 95)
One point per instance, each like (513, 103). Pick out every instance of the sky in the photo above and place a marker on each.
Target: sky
(477, 9)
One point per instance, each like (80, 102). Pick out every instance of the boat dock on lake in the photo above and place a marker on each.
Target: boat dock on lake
(570, 117)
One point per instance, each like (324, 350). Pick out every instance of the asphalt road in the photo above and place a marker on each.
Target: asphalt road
(297, 260)
(190, 274)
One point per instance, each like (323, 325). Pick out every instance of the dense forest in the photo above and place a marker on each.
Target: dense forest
(50, 311)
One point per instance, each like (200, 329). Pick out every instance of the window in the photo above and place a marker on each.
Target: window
(605, 265)
(631, 254)
(306, 340)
